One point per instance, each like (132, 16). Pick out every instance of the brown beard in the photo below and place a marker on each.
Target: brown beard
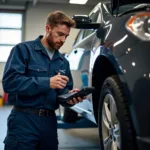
(51, 42)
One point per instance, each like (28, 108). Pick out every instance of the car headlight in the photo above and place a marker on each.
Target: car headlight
(139, 25)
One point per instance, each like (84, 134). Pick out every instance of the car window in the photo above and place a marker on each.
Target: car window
(94, 17)
(99, 19)
(122, 8)
(87, 32)
(79, 37)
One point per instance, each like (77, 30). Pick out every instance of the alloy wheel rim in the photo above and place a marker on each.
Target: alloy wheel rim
(110, 124)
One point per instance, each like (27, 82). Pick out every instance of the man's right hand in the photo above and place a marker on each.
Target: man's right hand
(58, 81)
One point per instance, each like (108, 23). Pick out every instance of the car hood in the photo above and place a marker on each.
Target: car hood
(116, 3)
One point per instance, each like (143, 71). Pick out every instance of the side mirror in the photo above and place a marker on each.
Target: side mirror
(81, 19)
(84, 22)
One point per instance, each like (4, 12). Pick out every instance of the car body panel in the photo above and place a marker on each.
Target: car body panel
(128, 57)
(117, 3)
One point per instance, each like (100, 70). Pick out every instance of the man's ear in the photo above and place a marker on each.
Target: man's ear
(48, 28)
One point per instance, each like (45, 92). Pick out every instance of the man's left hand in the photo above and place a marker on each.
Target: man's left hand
(75, 100)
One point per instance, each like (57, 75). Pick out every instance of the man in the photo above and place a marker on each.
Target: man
(35, 74)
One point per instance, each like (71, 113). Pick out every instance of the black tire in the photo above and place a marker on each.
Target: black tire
(113, 93)
(68, 115)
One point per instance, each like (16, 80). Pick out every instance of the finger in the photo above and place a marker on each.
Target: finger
(58, 78)
(70, 102)
(61, 84)
(75, 90)
(84, 97)
(70, 91)
(58, 74)
(75, 101)
(80, 99)
(59, 87)
(65, 78)
(63, 81)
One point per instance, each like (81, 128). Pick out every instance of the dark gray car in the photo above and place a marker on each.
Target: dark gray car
(112, 54)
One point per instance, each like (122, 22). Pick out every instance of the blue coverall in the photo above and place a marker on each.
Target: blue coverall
(26, 79)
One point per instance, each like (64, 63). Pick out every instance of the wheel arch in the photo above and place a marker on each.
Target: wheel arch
(103, 68)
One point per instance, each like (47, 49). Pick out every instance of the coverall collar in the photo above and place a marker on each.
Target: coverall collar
(40, 47)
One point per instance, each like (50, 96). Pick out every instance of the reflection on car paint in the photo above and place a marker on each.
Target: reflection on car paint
(121, 40)
(94, 54)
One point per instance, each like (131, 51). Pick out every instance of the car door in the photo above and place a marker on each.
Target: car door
(79, 59)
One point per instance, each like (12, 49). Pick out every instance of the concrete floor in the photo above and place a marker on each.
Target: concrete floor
(69, 139)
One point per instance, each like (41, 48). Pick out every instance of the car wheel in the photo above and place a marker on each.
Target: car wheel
(67, 115)
(115, 126)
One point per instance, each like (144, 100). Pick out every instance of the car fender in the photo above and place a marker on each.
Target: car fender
(105, 65)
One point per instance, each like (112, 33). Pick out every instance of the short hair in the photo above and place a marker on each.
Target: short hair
(58, 17)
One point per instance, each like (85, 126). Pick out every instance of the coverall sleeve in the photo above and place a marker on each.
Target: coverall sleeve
(68, 87)
(15, 80)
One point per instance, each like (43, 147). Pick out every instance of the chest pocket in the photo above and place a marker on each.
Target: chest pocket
(37, 71)
(61, 69)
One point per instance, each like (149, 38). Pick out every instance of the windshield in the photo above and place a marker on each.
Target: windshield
(124, 8)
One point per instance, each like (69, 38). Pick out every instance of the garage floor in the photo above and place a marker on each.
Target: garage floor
(69, 139)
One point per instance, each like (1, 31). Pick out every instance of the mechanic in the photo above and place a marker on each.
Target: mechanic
(34, 75)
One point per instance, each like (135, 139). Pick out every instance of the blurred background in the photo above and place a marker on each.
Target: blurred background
(24, 20)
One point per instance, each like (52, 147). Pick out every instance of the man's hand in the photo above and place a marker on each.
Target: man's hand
(75, 100)
(58, 81)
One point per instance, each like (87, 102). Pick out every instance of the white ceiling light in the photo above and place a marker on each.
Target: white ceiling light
(78, 1)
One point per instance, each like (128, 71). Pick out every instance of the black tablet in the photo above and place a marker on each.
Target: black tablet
(83, 92)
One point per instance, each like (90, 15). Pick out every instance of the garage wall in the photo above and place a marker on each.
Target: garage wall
(35, 19)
